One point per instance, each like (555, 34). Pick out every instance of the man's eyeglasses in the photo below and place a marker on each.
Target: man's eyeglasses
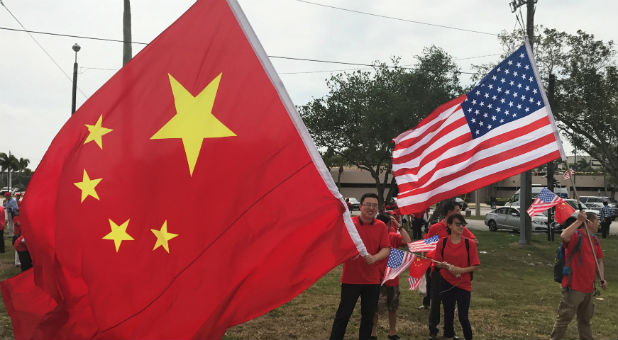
(460, 224)
(370, 205)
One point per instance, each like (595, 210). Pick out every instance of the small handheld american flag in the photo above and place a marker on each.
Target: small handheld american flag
(398, 261)
(544, 201)
(567, 174)
(424, 245)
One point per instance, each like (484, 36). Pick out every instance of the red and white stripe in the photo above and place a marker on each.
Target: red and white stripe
(567, 174)
(538, 206)
(439, 159)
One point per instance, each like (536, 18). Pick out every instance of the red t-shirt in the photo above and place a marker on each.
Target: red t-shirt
(582, 273)
(19, 244)
(17, 225)
(457, 255)
(396, 241)
(440, 230)
(375, 237)
(2, 218)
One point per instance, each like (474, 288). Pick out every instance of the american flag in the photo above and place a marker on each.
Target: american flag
(424, 245)
(567, 174)
(415, 282)
(398, 261)
(501, 128)
(544, 201)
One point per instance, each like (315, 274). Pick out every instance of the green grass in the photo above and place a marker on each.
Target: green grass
(7, 269)
(513, 297)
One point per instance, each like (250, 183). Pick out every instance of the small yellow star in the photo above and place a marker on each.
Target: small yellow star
(162, 237)
(118, 233)
(194, 120)
(87, 186)
(96, 132)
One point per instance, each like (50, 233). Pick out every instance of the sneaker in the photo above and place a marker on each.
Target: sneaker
(422, 307)
(394, 337)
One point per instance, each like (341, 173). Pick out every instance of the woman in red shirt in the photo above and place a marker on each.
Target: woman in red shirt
(458, 258)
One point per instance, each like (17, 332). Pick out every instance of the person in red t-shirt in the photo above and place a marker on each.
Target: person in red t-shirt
(2, 222)
(389, 292)
(434, 280)
(577, 290)
(457, 258)
(361, 276)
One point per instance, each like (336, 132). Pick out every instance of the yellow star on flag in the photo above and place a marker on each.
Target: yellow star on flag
(96, 132)
(194, 120)
(87, 186)
(163, 237)
(118, 233)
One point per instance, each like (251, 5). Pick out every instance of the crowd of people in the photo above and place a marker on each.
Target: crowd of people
(449, 278)
(10, 224)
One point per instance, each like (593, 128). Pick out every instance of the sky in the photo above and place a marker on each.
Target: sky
(36, 83)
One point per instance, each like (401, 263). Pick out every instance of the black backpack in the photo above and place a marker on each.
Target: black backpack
(561, 267)
(467, 250)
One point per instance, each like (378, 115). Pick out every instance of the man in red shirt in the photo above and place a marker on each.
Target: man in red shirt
(2, 222)
(434, 280)
(577, 287)
(389, 292)
(361, 276)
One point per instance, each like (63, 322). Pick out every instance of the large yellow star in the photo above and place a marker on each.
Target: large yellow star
(162, 237)
(194, 120)
(96, 132)
(118, 233)
(87, 186)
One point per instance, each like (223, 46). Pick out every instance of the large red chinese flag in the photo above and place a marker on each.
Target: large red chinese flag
(185, 196)
(563, 212)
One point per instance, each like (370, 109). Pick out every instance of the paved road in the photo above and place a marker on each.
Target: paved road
(480, 225)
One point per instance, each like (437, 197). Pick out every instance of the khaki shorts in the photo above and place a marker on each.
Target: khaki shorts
(388, 300)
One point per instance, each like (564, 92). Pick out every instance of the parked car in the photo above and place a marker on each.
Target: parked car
(354, 203)
(509, 218)
(597, 202)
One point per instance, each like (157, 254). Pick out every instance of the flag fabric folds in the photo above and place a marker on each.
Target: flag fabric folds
(162, 209)
(563, 212)
(501, 128)
(418, 267)
(568, 173)
(545, 200)
(398, 261)
(424, 245)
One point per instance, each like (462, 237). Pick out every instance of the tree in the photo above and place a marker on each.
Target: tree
(364, 110)
(127, 52)
(584, 75)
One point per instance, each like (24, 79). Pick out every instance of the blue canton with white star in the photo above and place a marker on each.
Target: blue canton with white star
(395, 258)
(509, 92)
(546, 196)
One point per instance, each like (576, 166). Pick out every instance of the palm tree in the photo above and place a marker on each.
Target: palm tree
(4, 163)
(127, 53)
(23, 164)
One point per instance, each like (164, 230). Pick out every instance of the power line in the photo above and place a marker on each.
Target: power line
(68, 35)
(398, 19)
(41, 47)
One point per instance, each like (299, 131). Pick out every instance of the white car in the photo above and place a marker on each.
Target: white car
(509, 218)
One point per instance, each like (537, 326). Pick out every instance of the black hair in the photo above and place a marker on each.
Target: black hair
(384, 217)
(369, 194)
(450, 205)
(453, 217)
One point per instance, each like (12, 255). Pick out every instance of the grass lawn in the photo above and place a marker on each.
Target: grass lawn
(513, 297)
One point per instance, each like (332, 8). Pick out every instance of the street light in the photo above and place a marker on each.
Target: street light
(76, 48)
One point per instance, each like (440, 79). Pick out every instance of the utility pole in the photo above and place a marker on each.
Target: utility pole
(525, 198)
(550, 166)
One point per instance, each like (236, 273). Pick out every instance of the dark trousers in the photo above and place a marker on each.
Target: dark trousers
(2, 241)
(369, 304)
(450, 296)
(417, 226)
(605, 227)
(434, 311)
(25, 259)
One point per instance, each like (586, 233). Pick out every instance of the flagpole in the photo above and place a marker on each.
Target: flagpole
(586, 226)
